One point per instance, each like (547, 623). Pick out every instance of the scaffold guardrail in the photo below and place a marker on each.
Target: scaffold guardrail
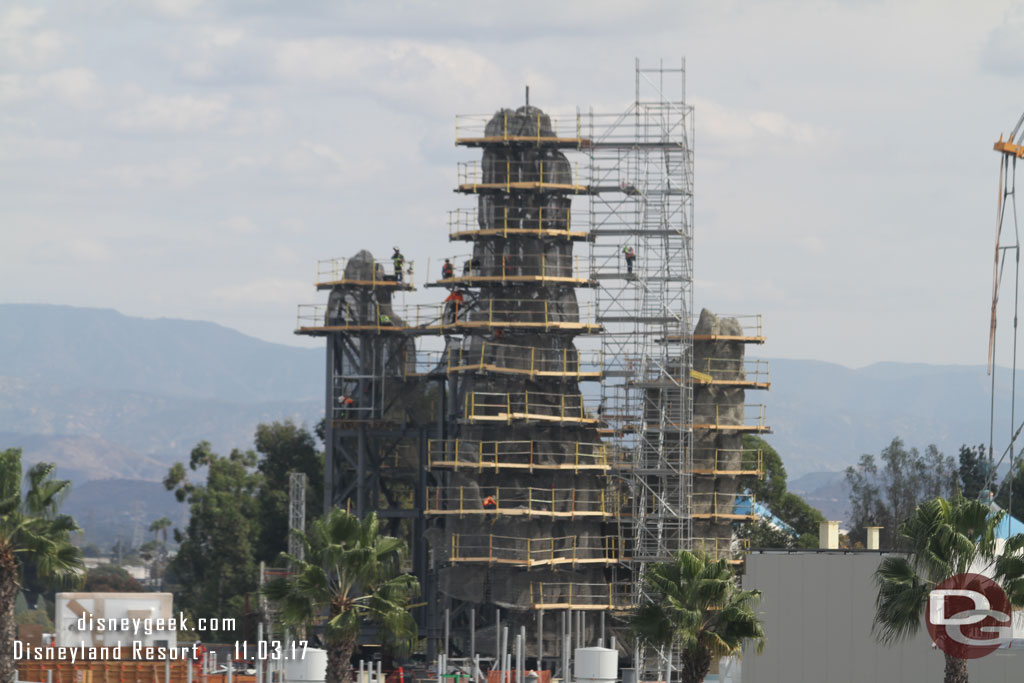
(749, 417)
(520, 501)
(534, 552)
(722, 505)
(727, 461)
(748, 373)
(750, 330)
(475, 129)
(331, 272)
(729, 549)
(510, 268)
(582, 596)
(486, 406)
(465, 224)
(557, 175)
(532, 314)
(527, 360)
(529, 455)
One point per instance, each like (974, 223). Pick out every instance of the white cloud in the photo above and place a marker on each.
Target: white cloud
(241, 225)
(414, 74)
(23, 148)
(180, 113)
(76, 85)
(735, 126)
(88, 250)
(21, 42)
(220, 36)
(268, 291)
(177, 8)
(14, 88)
(1003, 51)
(329, 165)
(174, 173)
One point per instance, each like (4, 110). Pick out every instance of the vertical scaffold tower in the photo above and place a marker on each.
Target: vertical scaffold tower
(641, 226)
(523, 499)
(380, 409)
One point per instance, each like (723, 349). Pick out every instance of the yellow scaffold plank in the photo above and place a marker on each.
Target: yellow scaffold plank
(471, 188)
(382, 284)
(521, 512)
(538, 139)
(469, 235)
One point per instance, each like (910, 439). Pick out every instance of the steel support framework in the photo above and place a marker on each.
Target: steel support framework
(641, 182)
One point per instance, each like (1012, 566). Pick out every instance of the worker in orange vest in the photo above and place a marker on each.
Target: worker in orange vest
(454, 301)
(447, 270)
(490, 503)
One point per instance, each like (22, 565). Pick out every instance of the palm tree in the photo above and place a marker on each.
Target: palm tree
(159, 527)
(944, 538)
(30, 528)
(353, 574)
(696, 605)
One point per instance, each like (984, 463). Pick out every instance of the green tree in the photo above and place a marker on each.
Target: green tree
(973, 470)
(887, 495)
(353, 573)
(771, 490)
(285, 448)
(215, 565)
(943, 538)
(700, 609)
(31, 528)
(109, 578)
(1014, 483)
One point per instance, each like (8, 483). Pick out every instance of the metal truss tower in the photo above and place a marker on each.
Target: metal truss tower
(641, 168)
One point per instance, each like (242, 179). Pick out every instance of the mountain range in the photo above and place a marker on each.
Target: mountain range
(115, 400)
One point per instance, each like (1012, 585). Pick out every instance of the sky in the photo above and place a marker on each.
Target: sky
(194, 159)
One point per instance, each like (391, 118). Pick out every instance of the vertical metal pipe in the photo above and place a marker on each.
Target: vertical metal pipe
(540, 640)
(362, 669)
(472, 641)
(504, 654)
(602, 629)
(447, 617)
(567, 649)
(259, 662)
(476, 668)
(520, 654)
(613, 643)
(329, 430)
(188, 672)
(497, 639)
(167, 670)
(560, 645)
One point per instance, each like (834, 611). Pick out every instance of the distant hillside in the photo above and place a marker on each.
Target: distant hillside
(114, 398)
(824, 415)
(97, 348)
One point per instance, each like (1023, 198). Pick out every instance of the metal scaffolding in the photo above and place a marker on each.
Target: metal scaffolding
(641, 227)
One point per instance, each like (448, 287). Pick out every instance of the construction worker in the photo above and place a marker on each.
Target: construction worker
(447, 270)
(384, 319)
(398, 260)
(345, 404)
(630, 255)
(490, 503)
(452, 304)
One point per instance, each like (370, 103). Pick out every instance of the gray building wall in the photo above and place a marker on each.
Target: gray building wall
(817, 608)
